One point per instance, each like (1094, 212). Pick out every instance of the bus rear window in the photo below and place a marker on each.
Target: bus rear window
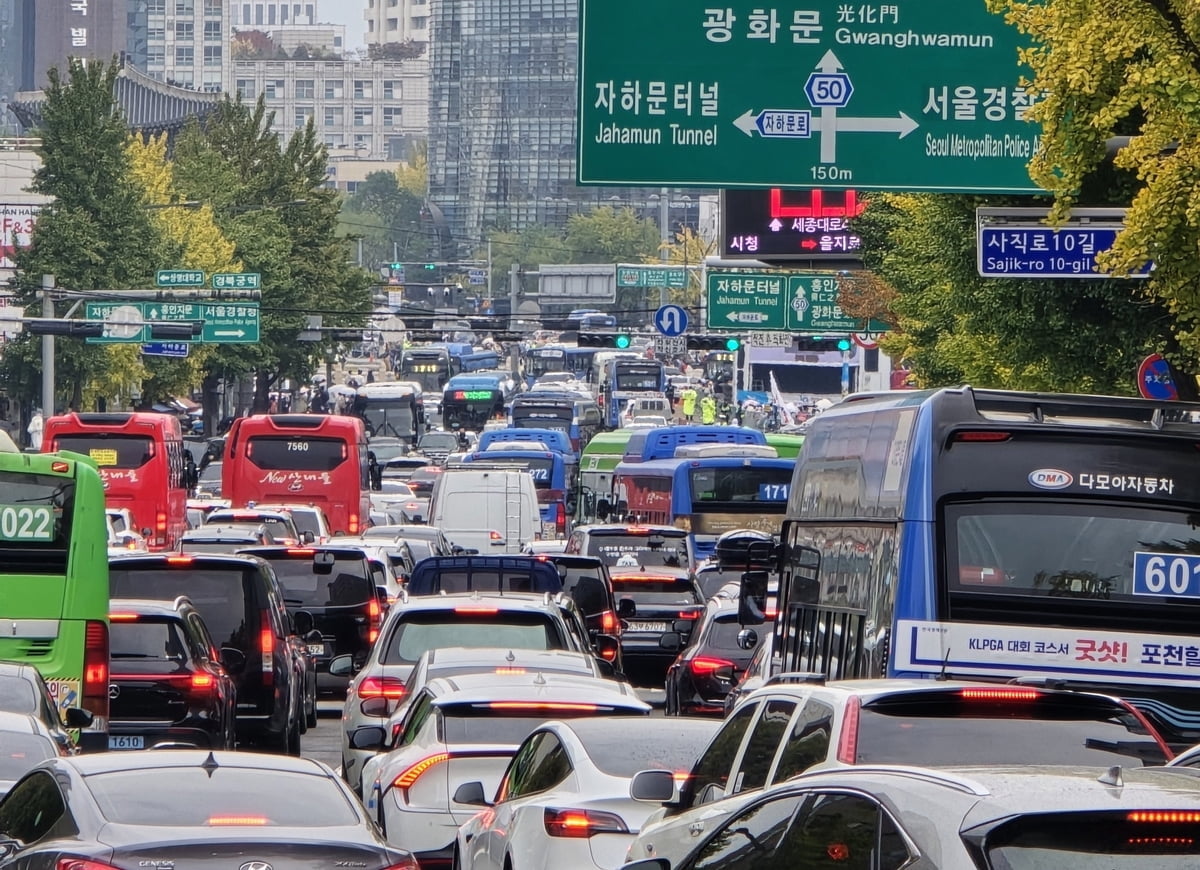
(418, 632)
(644, 378)
(741, 484)
(110, 451)
(301, 453)
(539, 469)
(35, 522)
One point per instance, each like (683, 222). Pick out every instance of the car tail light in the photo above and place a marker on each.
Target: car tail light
(704, 666)
(541, 705)
(122, 617)
(582, 823)
(560, 518)
(982, 436)
(391, 688)
(375, 617)
(848, 739)
(689, 614)
(236, 821)
(180, 560)
(301, 551)
(95, 670)
(406, 864)
(1000, 693)
(1167, 751)
(66, 862)
(266, 645)
(407, 778)
(202, 680)
(160, 527)
(1163, 816)
(495, 536)
(609, 624)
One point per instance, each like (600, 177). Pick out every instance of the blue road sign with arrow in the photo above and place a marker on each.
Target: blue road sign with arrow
(671, 320)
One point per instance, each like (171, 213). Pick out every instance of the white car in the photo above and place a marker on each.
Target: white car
(464, 730)
(576, 812)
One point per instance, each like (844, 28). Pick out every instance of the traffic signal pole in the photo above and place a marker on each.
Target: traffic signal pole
(47, 348)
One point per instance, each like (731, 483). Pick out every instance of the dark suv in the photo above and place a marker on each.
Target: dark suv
(333, 588)
(167, 683)
(242, 604)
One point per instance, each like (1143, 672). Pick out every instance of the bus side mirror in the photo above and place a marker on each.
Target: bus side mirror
(191, 475)
(603, 509)
(752, 598)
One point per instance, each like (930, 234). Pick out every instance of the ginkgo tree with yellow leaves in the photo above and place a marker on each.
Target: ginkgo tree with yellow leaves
(1110, 69)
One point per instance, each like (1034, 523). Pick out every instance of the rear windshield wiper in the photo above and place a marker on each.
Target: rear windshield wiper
(1146, 750)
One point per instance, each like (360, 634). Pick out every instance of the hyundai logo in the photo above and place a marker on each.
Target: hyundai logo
(256, 865)
(114, 691)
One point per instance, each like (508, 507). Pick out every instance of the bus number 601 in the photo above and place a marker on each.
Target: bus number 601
(1176, 573)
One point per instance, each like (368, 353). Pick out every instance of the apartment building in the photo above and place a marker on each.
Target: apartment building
(397, 21)
(258, 14)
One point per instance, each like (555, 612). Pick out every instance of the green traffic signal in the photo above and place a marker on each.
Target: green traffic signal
(622, 341)
(431, 265)
(396, 267)
(844, 345)
(732, 344)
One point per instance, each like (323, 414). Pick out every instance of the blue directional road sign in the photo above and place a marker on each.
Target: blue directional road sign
(828, 88)
(173, 349)
(671, 320)
(477, 276)
(1007, 251)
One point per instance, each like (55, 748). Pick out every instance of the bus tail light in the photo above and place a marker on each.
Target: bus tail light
(848, 739)
(95, 671)
(375, 617)
(560, 519)
(160, 528)
(352, 524)
(266, 644)
(582, 823)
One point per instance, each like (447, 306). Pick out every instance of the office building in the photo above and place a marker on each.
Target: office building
(180, 42)
(36, 35)
(260, 15)
(373, 109)
(397, 21)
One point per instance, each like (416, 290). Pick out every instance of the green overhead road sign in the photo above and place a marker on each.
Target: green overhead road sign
(906, 95)
(224, 323)
(652, 276)
(779, 302)
(179, 278)
(237, 280)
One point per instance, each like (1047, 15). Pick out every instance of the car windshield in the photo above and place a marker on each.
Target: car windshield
(439, 441)
(656, 589)
(349, 583)
(148, 640)
(217, 593)
(20, 752)
(416, 633)
(1088, 840)
(17, 695)
(1023, 727)
(219, 796)
(479, 723)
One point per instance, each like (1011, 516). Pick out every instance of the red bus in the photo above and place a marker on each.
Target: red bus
(142, 461)
(315, 459)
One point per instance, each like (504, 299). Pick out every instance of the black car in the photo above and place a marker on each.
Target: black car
(711, 665)
(190, 808)
(333, 589)
(22, 690)
(658, 610)
(586, 579)
(242, 604)
(167, 684)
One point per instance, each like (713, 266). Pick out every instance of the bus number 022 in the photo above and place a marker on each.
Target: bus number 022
(26, 523)
(1176, 573)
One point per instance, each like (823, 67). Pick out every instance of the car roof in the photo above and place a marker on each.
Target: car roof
(224, 531)
(539, 688)
(22, 723)
(17, 669)
(176, 559)
(113, 762)
(633, 727)
(512, 601)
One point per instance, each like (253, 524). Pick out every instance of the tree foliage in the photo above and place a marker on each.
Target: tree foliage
(94, 236)
(688, 249)
(952, 326)
(386, 217)
(1106, 69)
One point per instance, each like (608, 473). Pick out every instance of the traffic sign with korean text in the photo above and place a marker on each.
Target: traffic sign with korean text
(179, 278)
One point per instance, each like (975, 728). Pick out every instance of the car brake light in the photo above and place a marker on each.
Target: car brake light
(982, 436)
(122, 617)
(266, 645)
(510, 672)
(540, 705)
(704, 666)
(636, 530)
(391, 688)
(95, 671)
(1163, 816)
(689, 614)
(375, 616)
(66, 862)
(488, 611)
(848, 739)
(609, 622)
(301, 551)
(203, 681)
(234, 821)
(560, 518)
(410, 776)
(180, 560)
(1007, 693)
(582, 823)
(495, 536)
(63, 468)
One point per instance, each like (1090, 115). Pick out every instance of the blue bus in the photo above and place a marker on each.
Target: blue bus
(626, 378)
(554, 439)
(707, 490)
(571, 413)
(554, 476)
(480, 360)
(471, 400)
(646, 444)
(1000, 535)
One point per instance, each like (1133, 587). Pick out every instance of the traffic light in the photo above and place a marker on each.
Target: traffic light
(844, 345)
(732, 343)
(396, 267)
(714, 342)
(430, 266)
(181, 331)
(76, 328)
(618, 340)
(621, 341)
(820, 343)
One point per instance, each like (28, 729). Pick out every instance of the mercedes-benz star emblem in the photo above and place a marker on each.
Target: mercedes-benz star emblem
(114, 691)
(256, 865)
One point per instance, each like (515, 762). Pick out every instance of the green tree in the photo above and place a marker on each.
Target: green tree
(272, 203)
(95, 236)
(387, 219)
(952, 326)
(531, 247)
(1107, 69)
(609, 235)
(688, 249)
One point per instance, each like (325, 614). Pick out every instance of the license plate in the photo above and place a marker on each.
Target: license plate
(126, 741)
(316, 649)
(656, 627)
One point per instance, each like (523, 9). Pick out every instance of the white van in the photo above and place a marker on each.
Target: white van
(653, 405)
(490, 509)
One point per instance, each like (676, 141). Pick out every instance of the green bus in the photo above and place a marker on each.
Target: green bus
(596, 464)
(787, 446)
(54, 581)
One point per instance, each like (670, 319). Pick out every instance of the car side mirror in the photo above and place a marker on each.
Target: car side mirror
(303, 621)
(752, 600)
(471, 794)
(652, 786)
(341, 666)
(369, 737)
(233, 659)
(626, 608)
(747, 638)
(77, 717)
(671, 641)
(378, 707)
(607, 647)
(308, 537)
